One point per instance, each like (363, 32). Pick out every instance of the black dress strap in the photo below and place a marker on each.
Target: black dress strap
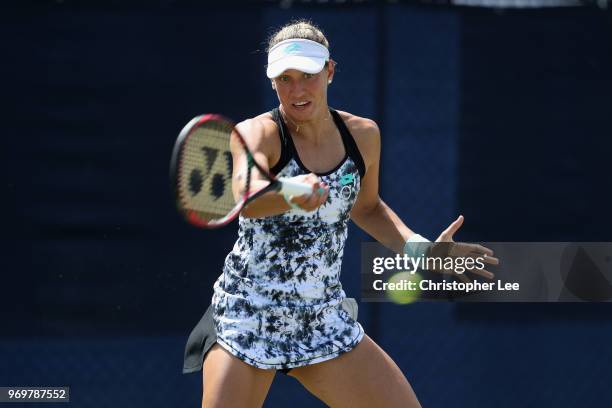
(349, 142)
(285, 140)
(287, 147)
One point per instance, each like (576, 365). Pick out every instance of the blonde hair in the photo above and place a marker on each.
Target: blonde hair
(301, 28)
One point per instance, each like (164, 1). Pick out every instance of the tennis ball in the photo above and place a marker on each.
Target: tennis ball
(398, 287)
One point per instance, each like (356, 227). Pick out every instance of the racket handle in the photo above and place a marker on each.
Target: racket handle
(294, 188)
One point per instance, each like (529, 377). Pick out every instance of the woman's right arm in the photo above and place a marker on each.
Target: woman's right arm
(262, 140)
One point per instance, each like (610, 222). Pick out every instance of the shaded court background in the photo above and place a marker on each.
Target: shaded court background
(503, 116)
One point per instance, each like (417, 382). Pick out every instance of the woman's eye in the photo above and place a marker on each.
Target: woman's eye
(308, 76)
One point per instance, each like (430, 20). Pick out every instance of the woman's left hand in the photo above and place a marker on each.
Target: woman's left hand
(453, 249)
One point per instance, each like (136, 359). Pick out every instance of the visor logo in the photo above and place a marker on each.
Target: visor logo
(292, 49)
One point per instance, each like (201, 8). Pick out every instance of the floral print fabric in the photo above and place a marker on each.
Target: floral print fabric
(277, 303)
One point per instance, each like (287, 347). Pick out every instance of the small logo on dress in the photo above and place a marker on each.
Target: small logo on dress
(347, 179)
(347, 182)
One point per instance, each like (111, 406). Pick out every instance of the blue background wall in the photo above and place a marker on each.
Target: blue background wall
(503, 117)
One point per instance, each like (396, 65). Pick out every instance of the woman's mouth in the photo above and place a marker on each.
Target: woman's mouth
(301, 104)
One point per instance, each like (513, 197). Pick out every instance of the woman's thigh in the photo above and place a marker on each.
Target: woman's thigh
(364, 377)
(230, 382)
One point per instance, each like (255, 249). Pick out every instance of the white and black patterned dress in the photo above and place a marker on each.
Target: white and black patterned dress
(277, 304)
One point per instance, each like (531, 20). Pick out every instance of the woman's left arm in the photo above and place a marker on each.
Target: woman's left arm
(375, 217)
(370, 212)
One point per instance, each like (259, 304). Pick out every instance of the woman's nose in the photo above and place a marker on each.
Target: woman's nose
(298, 88)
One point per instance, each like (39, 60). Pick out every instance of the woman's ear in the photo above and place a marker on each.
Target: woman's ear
(331, 70)
(273, 85)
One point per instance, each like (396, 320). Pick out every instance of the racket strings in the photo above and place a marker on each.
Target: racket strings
(205, 171)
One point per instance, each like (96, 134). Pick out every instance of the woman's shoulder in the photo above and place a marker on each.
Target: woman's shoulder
(259, 129)
(366, 134)
(359, 126)
(259, 126)
(261, 134)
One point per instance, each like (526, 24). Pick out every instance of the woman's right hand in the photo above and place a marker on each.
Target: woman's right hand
(320, 191)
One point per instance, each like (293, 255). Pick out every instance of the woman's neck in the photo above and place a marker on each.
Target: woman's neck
(312, 130)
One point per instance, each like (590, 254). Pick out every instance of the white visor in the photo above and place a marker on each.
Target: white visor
(304, 55)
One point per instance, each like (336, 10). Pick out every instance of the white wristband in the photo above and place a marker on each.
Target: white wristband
(416, 245)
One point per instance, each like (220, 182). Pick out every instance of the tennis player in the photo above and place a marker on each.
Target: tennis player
(279, 304)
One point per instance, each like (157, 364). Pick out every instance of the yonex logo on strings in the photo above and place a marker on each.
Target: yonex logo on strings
(198, 176)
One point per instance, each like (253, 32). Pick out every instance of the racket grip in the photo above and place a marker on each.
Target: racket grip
(294, 188)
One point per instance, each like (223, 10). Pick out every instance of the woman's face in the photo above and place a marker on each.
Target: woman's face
(303, 96)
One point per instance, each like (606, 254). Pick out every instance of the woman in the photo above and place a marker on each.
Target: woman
(279, 303)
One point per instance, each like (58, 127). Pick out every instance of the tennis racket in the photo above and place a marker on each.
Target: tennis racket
(201, 173)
